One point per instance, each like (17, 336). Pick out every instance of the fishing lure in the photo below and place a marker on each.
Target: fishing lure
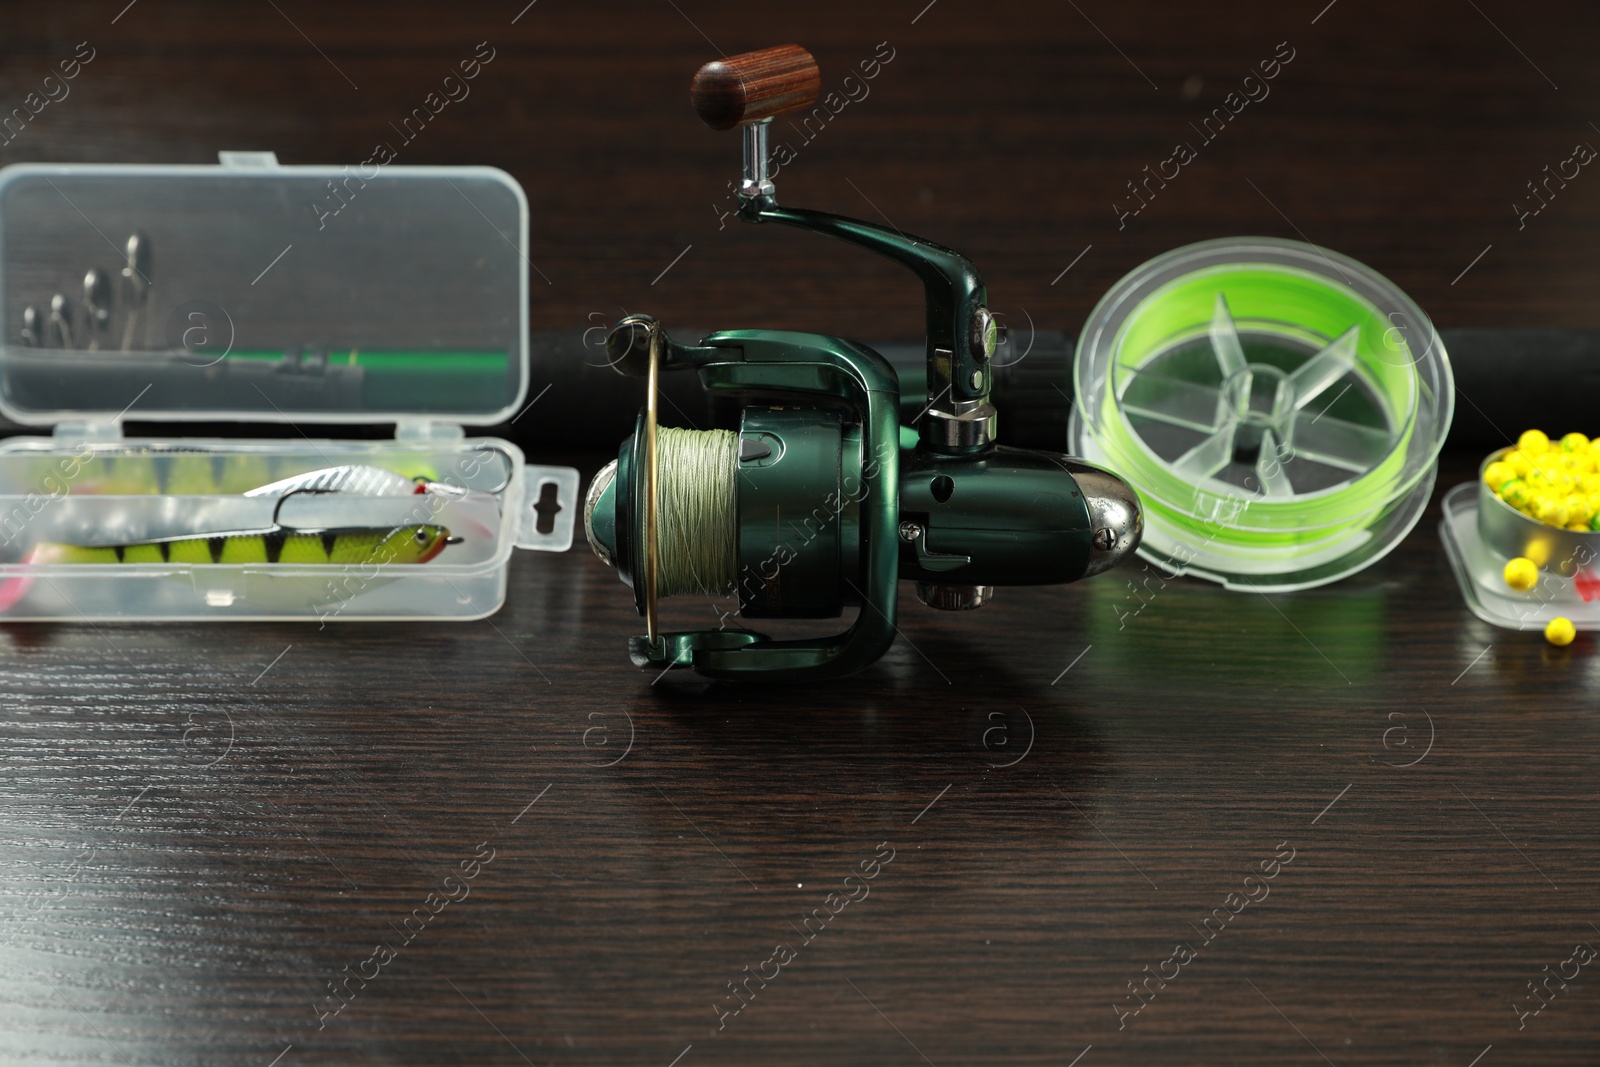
(278, 544)
(182, 471)
(274, 544)
(359, 479)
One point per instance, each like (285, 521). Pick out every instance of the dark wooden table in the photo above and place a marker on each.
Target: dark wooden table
(207, 827)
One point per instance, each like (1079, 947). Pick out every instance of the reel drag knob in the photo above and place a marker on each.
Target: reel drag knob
(1116, 521)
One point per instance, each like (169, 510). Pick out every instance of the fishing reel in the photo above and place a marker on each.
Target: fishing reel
(822, 500)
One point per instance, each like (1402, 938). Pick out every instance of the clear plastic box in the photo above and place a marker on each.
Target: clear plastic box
(256, 292)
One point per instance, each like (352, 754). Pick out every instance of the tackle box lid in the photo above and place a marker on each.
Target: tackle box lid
(252, 291)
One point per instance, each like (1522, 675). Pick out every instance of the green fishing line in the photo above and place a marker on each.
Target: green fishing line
(697, 535)
(1268, 301)
(1166, 368)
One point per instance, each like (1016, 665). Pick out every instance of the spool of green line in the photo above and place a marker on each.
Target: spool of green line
(696, 511)
(1279, 408)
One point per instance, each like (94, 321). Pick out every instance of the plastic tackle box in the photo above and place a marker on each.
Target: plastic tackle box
(252, 292)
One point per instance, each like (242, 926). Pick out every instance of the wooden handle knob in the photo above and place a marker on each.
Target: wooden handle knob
(753, 86)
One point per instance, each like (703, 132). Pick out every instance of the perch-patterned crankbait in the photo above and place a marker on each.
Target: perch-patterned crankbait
(177, 471)
(349, 545)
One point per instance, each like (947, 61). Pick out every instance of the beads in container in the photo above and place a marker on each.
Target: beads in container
(1554, 482)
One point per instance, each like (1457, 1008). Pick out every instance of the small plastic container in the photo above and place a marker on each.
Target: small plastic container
(1482, 533)
(263, 293)
(1278, 407)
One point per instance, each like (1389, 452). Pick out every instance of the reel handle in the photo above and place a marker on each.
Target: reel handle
(754, 86)
(746, 91)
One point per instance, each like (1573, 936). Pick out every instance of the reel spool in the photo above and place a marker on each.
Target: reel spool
(1279, 407)
(813, 505)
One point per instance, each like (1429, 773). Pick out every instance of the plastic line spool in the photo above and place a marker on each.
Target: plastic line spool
(1279, 408)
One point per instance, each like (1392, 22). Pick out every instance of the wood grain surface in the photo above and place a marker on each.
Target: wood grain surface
(756, 85)
(564, 861)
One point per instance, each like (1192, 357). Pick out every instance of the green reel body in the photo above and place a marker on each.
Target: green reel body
(817, 498)
(831, 512)
(819, 503)
(1009, 517)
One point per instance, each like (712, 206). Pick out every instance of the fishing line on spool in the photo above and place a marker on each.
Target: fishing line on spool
(1278, 407)
(696, 511)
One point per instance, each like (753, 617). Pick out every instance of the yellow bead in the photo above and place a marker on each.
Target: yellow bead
(1498, 474)
(1521, 574)
(1520, 462)
(1560, 631)
(1552, 511)
(1579, 511)
(1514, 492)
(1574, 442)
(1533, 442)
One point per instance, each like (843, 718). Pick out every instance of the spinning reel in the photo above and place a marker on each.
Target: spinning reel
(822, 500)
